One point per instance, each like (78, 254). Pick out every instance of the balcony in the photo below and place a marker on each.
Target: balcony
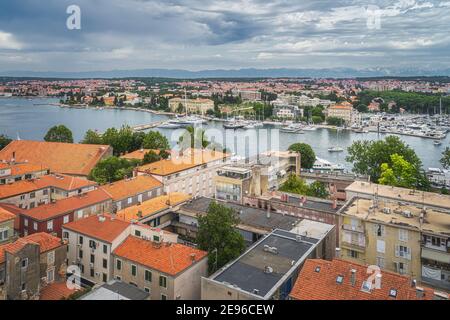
(435, 255)
(348, 227)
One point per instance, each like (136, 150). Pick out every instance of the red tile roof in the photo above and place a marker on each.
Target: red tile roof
(318, 281)
(130, 187)
(22, 168)
(69, 158)
(67, 205)
(45, 241)
(56, 291)
(59, 181)
(170, 258)
(107, 230)
(6, 215)
(14, 210)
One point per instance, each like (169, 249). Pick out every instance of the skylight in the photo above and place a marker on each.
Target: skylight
(339, 279)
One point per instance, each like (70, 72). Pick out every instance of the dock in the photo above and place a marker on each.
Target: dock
(143, 127)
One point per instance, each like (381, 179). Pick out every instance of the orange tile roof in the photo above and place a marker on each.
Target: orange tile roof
(139, 154)
(170, 259)
(152, 206)
(106, 230)
(322, 285)
(68, 158)
(64, 182)
(189, 159)
(56, 291)
(130, 187)
(67, 205)
(18, 169)
(5, 215)
(45, 241)
(14, 210)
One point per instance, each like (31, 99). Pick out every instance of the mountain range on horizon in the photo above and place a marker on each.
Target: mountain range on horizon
(235, 73)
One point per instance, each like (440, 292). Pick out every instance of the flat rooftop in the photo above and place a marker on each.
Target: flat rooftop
(401, 194)
(249, 216)
(312, 203)
(312, 229)
(249, 271)
(116, 290)
(434, 221)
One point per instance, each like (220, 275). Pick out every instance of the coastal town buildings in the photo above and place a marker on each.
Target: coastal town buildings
(199, 105)
(12, 172)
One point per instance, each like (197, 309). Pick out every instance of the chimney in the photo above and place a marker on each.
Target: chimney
(413, 283)
(378, 281)
(337, 253)
(353, 277)
(268, 212)
(420, 292)
(334, 204)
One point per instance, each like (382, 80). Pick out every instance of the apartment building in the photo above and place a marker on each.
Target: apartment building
(344, 112)
(255, 176)
(28, 194)
(29, 264)
(247, 95)
(65, 158)
(286, 111)
(150, 266)
(6, 226)
(11, 172)
(399, 236)
(199, 105)
(132, 191)
(192, 172)
(342, 280)
(91, 241)
(52, 216)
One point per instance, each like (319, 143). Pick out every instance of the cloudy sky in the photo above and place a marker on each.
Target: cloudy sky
(229, 34)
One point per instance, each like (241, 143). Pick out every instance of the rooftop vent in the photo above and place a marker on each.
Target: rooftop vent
(268, 269)
(353, 277)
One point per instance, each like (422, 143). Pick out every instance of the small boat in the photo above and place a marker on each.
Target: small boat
(292, 128)
(169, 125)
(437, 142)
(309, 128)
(234, 125)
(325, 165)
(335, 149)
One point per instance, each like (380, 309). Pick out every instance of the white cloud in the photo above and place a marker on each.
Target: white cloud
(7, 41)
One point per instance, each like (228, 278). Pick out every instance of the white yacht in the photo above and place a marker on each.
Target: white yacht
(325, 165)
(335, 149)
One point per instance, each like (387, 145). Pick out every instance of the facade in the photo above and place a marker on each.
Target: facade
(6, 226)
(11, 172)
(287, 111)
(132, 191)
(191, 173)
(397, 236)
(247, 95)
(341, 111)
(52, 216)
(269, 268)
(28, 194)
(342, 280)
(92, 240)
(150, 266)
(198, 105)
(29, 264)
(66, 158)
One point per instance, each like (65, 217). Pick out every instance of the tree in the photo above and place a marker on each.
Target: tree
(216, 231)
(155, 140)
(112, 169)
(308, 157)
(368, 156)
(151, 157)
(400, 173)
(335, 121)
(445, 160)
(4, 141)
(164, 154)
(295, 184)
(59, 134)
(318, 189)
(193, 138)
(92, 137)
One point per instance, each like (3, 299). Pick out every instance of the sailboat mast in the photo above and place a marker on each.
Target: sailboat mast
(185, 102)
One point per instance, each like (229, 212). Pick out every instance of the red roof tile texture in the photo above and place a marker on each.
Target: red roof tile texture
(68, 158)
(318, 281)
(170, 259)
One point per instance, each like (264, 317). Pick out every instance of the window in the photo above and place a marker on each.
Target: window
(51, 275)
(380, 230)
(105, 264)
(118, 264)
(137, 233)
(66, 219)
(24, 263)
(32, 205)
(366, 286)
(50, 225)
(22, 197)
(32, 195)
(92, 244)
(403, 252)
(381, 246)
(92, 258)
(79, 214)
(133, 270)
(147, 290)
(118, 278)
(80, 240)
(339, 279)
(380, 262)
(163, 281)
(163, 297)
(80, 254)
(353, 254)
(393, 293)
(65, 235)
(105, 278)
(401, 267)
(130, 200)
(3, 234)
(92, 272)
(148, 276)
(45, 192)
(105, 249)
(155, 238)
(35, 226)
(403, 235)
(25, 222)
(51, 258)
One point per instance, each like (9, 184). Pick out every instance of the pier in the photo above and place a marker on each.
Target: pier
(144, 127)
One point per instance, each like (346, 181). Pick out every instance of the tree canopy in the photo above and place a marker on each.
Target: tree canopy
(368, 156)
(4, 141)
(335, 121)
(445, 160)
(308, 157)
(400, 173)
(297, 185)
(216, 231)
(113, 169)
(59, 133)
(151, 157)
